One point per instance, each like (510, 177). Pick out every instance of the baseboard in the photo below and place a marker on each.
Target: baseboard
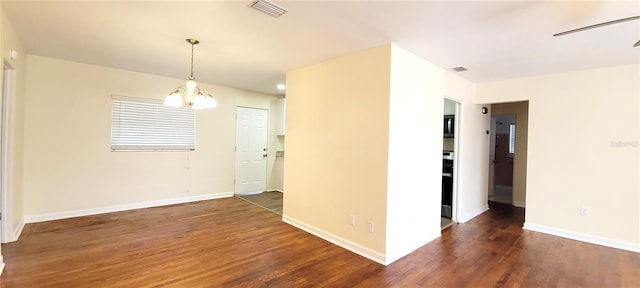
(635, 247)
(275, 190)
(117, 208)
(1, 264)
(344, 243)
(473, 214)
(18, 231)
(518, 204)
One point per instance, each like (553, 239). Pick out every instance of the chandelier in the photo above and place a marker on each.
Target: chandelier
(190, 94)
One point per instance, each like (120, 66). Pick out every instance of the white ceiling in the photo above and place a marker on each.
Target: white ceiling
(241, 47)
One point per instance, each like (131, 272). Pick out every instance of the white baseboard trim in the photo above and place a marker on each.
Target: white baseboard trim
(1, 264)
(635, 247)
(344, 243)
(275, 190)
(124, 207)
(473, 214)
(518, 204)
(18, 231)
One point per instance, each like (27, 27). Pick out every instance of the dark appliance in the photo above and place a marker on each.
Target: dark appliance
(449, 126)
(447, 184)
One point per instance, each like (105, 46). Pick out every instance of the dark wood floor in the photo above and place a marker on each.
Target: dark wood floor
(231, 243)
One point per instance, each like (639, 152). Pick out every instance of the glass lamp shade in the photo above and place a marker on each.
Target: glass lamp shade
(209, 102)
(198, 102)
(191, 85)
(174, 99)
(198, 99)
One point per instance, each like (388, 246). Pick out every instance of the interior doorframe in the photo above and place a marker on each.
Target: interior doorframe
(456, 197)
(8, 89)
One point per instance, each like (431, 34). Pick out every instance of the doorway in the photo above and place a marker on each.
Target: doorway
(251, 151)
(502, 152)
(448, 213)
(508, 175)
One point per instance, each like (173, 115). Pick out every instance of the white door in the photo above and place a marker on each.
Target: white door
(251, 150)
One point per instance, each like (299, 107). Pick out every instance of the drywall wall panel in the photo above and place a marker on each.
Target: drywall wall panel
(337, 123)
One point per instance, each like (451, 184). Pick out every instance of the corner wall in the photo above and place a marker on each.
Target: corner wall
(364, 138)
(582, 152)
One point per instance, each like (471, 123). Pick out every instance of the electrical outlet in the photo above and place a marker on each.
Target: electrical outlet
(585, 211)
(370, 226)
(352, 220)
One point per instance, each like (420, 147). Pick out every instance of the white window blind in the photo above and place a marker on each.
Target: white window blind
(147, 125)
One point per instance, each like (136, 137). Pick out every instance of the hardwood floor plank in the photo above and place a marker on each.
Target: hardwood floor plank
(231, 243)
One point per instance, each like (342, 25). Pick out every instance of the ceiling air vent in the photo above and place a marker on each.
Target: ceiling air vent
(268, 7)
(459, 69)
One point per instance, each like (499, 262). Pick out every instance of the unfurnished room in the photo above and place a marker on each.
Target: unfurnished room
(264, 143)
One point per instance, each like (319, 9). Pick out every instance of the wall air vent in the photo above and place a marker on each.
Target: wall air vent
(459, 69)
(268, 7)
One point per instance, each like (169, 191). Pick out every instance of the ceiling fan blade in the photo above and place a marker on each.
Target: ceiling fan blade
(637, 44)
(598, 25)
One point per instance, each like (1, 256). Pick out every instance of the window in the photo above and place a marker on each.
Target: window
(139, 124)
(512, 138)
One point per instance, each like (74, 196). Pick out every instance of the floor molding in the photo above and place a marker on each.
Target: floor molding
(518, 204)
(344, 243)
(634, 247)
(1, 264)
(117, 208)
(473, 214)
(18, 231)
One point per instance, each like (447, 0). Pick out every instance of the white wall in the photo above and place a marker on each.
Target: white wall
(472, 154)
(582, 151)
(415, 150)
(336, 141)
(68, 162)
(14, 182)
(276, 143)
